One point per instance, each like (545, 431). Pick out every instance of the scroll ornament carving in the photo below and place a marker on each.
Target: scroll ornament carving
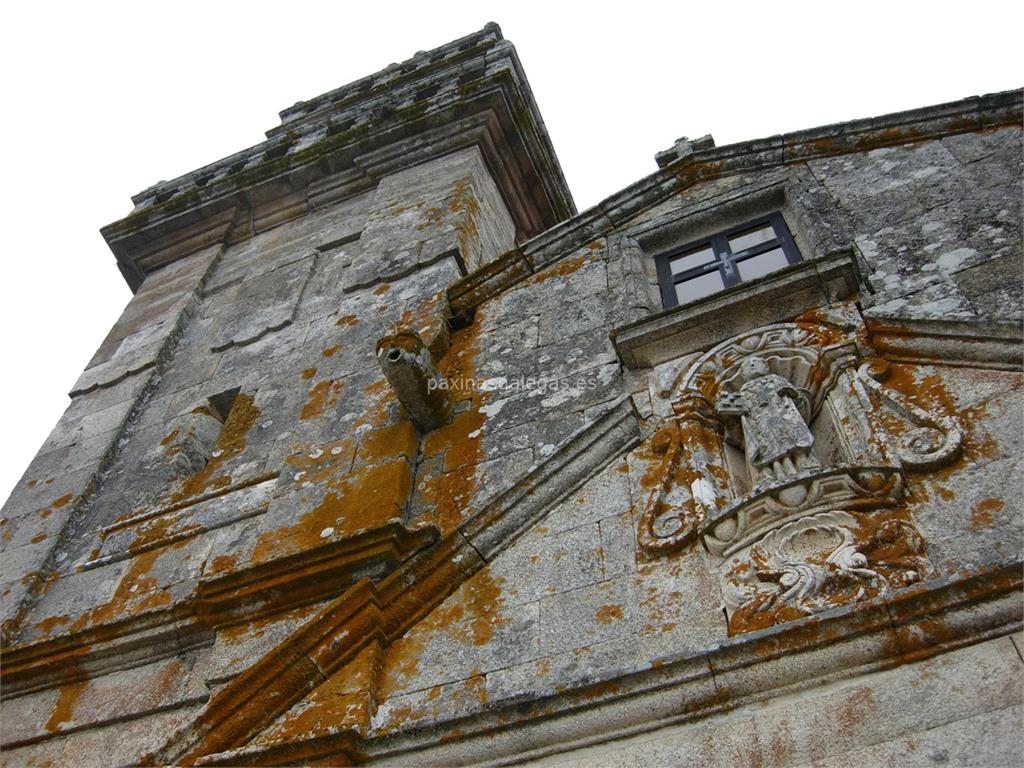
(931, 440)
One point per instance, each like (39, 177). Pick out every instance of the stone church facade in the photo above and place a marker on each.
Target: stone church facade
(396, 458)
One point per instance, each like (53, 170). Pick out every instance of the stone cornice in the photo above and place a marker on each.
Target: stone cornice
(908, 626)
(248, 595)
(703, 162)
(990, 344)
(471, 92)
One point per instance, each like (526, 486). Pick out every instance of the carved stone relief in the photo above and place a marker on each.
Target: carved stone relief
(786, 456)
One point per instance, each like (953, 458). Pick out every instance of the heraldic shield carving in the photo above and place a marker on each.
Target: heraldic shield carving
(785, 453)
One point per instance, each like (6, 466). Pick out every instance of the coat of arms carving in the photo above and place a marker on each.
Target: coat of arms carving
(784, 452)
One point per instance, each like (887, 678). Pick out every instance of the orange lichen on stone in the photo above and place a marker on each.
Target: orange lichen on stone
(344, 701)
(600, 690)
(857, 709)
(361, 500)
(469, 616)
(38, 538)
(47, 625)
(981, 514)
(63, 501)
(136, 592)
(230, 443)
(403, 660)
(657, 606)
(563, 268)
(429, 321)
(607, 614)
(322, 396)
(347, 320)
(309, 373)
(381, 289)
(473, 617)
(161, 528)
(220, 564)
(927, 392)
(691, 173)
(64, 708)
(751, 617)
(331, 351)
(327, 462)
(398, 439)
(459, 442)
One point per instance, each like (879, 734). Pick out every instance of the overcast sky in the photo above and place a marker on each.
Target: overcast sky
(101, 100)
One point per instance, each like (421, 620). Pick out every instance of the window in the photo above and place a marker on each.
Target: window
(745, 253)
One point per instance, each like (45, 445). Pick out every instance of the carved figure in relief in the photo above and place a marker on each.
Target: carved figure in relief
(773, 416)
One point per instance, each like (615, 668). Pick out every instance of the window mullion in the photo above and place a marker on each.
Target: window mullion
(730, 275)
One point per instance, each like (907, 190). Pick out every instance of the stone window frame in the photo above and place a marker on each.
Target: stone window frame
(726, 260)
(829, 269)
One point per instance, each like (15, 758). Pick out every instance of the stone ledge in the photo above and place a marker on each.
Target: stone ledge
(914, 624)
(979, 344)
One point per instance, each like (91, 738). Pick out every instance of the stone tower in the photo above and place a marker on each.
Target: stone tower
(395, 458)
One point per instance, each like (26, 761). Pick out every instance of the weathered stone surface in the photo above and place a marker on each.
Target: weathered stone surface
(241, 544)
(857, 723)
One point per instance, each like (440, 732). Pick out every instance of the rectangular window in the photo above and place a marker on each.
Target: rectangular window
(744, 253)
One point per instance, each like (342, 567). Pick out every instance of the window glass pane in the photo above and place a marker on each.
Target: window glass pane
(762, 264)
(696, 287)
(760, 234)
(692, 259)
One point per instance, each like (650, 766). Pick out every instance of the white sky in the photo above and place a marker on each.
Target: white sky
(101, 100)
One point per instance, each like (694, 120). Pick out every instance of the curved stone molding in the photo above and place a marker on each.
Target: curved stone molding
(767, 507)
(931, 441)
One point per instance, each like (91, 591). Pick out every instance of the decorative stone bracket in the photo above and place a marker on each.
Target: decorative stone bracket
(786, 455)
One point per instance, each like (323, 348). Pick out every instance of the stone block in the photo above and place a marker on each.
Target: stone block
(604, 495)
(476, 628)
(276, 292)
(239, 646)
(977, 524)
(542, 564)
(589, 615)
(124, 743)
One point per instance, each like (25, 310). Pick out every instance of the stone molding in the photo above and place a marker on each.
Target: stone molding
(427, 570)
(978, 344)
(384, 611)
(842, 643)
(471, 92)
(973, 114)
